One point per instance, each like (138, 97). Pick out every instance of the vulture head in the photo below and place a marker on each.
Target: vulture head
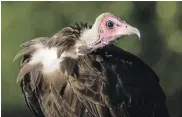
(107, 29)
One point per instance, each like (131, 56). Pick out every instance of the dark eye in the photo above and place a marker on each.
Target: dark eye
(110, 24)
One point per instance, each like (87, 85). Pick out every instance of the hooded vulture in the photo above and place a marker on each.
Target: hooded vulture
(79, 72)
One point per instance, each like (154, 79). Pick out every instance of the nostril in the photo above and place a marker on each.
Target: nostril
(126, 26)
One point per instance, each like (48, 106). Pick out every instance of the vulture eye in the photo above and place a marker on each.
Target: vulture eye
(110, 24)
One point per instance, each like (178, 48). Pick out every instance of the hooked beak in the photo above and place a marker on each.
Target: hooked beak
(126, 29)
(135, 31)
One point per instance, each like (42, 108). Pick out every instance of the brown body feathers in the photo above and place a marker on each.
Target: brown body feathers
(109, 82)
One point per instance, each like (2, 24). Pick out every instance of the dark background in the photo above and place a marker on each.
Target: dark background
(160, 24)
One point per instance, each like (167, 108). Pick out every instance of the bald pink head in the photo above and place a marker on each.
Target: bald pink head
(108, 28)
(112, 26)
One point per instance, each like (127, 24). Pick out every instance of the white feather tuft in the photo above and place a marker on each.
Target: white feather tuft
(47, 57)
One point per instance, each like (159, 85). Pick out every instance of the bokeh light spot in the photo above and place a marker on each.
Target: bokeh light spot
(175, 40)
(166, 10)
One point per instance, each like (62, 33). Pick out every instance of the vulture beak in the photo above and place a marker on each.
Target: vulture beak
(135, 31)
(126, 29)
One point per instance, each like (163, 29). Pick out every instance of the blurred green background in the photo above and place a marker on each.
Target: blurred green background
(160, 24)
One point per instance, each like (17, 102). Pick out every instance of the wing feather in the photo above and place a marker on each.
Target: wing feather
(48, 95)
(133, 88)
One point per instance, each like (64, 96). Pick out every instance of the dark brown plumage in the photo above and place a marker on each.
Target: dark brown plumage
(36, 88)
(108, 82)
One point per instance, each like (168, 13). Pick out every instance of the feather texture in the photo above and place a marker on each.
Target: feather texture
(109, 82)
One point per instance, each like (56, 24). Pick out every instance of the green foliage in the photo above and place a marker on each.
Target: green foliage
(159, 22)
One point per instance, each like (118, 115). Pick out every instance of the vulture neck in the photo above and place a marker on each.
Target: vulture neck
(89, 36)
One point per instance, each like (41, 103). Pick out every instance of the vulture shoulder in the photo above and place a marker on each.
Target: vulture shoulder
(114, 83)
(47, 96)
(132, 87)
